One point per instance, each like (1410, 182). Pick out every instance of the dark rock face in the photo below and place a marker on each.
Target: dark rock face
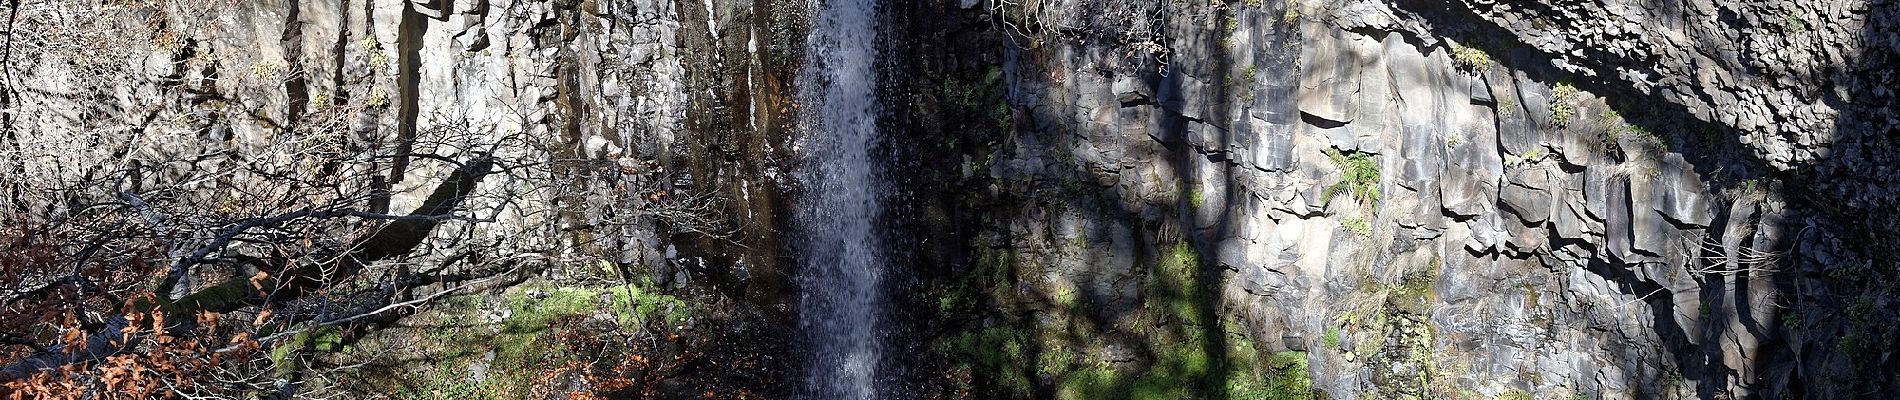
(1564, 198)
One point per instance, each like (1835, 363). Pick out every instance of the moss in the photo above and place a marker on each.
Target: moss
(1003, 353)
(634, 303)
(1093, 381)
(1174, 283)
(1006, 356)
(447, 383)
(995, 354)
(1332, 338)
(1286, 378)
(525, 344)
(998, 351)
(1195, 198)
(1055, 358)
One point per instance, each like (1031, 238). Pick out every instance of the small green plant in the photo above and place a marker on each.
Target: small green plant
(1362, 176)
(949, 302)
(1848, 270)
(1793, 22)
(1332, 338)
(1563, 100)
(378, 60)
(1243, 85)
(1357, 226)
(264, 70)
(1055, 359)
(1749, 189)
(1195, 198)
(1514, 395)
(1618, 129)
(1292, 12)
(1530, 156)
(378, 97)
(1507, 106)
(1067, 297)
(1470, 58)
(1455, 139)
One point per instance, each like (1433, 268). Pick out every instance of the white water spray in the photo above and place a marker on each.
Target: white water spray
(843, 259)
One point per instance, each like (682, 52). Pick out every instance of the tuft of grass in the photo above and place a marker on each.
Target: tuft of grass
(1332, 338)
(1362, 176)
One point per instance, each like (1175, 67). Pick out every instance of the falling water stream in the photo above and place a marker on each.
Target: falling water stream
(842, 256)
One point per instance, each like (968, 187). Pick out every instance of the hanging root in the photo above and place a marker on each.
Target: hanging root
(1745, 260)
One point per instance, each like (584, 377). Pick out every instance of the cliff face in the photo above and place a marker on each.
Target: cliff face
(1247, 199)
(1466, 200)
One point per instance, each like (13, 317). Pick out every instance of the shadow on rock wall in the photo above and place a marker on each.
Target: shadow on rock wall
(1795, 300)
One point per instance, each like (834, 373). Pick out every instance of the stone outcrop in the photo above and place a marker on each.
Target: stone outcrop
(1480, 199)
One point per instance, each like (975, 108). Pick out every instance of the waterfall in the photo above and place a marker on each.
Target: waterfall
(837, 217)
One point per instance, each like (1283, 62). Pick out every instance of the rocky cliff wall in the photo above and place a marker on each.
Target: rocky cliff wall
(1248, 199)
(1420, 200)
